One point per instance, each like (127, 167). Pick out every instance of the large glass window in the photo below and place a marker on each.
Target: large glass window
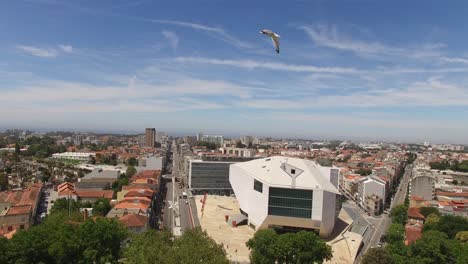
(258, 186)
(290, 202)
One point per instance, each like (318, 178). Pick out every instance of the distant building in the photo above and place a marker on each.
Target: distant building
(239, 152)
(82, 156)
(149, 163)
(422, 184)
(78, 140)
(150, 137)
(219, 140)
(246, 140)
(191, 140)
(160, 136)
(287, 193)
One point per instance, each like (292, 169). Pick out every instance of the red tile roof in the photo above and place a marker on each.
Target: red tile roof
(140, 193)
(133, 220)
(416, 198)
(108, 194)
(413, 212)
(453, 194)
(19, 210)
(412, 233)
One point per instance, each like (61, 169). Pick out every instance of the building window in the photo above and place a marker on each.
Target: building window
(258, 186)
(290, 202)
(293, 171)
(21, 226)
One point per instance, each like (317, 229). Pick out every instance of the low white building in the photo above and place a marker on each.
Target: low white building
(286, 193)
(84, 156)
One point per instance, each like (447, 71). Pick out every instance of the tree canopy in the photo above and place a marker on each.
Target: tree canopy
(57, 240)
(399, 214)
(303, 247)
(428, 210)
(194, 246)
(377, 256)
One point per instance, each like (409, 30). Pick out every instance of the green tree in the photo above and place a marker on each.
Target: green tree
(364, 172)
(399, 214)
(130, 171)
(101, 207)
(433, 247)
(462, 236)
(17, 148)
(195, 246)
(101, 239)
(3, 181)
(428, 210)
(396, 233)
(455, 182)
(431, 219)
(132, 161)
(149, 247)
(262, 247)
(239, 144)
(377, 256)
(302, 247)
(449, 224)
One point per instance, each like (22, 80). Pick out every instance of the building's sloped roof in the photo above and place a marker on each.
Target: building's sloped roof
(412, 233)
(19, 210)
(415, 213)
(134, 220)
(276, 171)
(108, 194)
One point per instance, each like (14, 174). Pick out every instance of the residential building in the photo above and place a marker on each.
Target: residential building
(191, 140)
(286, 193)
(239, 152)
(160, 136)
(369, 188)
(149, 163)
(246, 140)
(422, 184)
(67, 190)
(219, 140)
(150, 137)
(18, 209)
(374, 204)
(134, 222)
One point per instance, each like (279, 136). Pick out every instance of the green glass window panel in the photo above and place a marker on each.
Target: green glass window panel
(291, 212)
(293, 203)
(292, 193)
(258, 186)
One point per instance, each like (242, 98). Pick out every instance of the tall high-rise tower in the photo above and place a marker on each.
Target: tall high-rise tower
(150, 137)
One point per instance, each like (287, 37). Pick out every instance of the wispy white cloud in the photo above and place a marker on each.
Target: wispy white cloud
(171, 37)
(216, 32)
(45, 52)
(330, 37)
(38, 52)
(455, 60)
(66, 48)
(252, 64)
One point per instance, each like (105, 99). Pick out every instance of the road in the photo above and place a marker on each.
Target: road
(185, 209)
(382, 224)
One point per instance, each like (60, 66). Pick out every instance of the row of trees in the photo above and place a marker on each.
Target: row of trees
(453, 165)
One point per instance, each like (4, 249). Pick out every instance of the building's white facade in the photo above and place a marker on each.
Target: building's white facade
(84, 156)
(371, 187)
(287, 193)
(422, 184)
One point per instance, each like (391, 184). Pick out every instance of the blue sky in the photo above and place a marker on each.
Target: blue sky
(391, 70)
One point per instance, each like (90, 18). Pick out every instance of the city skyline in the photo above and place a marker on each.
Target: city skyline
(346, 69)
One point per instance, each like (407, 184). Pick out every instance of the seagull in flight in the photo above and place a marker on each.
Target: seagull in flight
(274, 37)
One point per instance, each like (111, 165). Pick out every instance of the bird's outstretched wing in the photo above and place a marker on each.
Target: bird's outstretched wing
(275, 43)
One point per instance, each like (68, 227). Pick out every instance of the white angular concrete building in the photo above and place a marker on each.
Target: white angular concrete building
(286, 193)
